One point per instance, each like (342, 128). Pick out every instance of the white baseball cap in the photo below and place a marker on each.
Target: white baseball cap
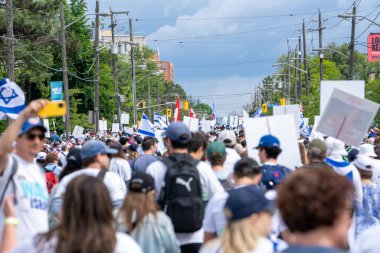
(41, 156)
(364, 163)
(228, 137)
(367, 150)
(335, 147)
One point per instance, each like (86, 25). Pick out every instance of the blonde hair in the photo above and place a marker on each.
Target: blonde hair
(133, 155)
(137, 205)
(239, 236)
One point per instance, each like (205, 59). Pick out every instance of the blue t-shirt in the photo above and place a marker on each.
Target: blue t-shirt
(311, 249)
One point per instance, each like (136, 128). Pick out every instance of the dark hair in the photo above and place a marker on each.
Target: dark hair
(197, 141)
(123, 140)
(377, 150)
(310, 199)
(272, 152)
(50, 158)
(148, 142)
(87, 220)
(179, 145)
(216, 159)
(246, 167)
(74, 163)
(88, 161)
(365, 174)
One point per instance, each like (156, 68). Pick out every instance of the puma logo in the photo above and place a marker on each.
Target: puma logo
(184, 183)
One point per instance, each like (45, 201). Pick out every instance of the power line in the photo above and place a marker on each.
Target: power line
(224, 64)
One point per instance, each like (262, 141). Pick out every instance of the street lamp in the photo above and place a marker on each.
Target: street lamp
(357, 16)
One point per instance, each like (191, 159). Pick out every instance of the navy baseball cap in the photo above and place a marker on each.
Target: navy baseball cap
(31, 123)
(94, 147)
(245, 201)
(178, 131)
(141, 183)
(268, 141)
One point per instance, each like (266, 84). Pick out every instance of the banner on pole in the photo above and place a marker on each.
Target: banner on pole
(56, 90)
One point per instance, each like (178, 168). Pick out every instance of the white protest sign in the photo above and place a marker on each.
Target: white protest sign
(234, 121)
(124, 118)
(281, 126)
(206, 126)
(355, 88)
(128, 130)
(314, 133)
(245, 114)
(289, 109)
(78, 131)
(102, 125)
(191, 123)
(213, 122)
(45, 122)
(347, 117)
(161, 145)
(115, 127)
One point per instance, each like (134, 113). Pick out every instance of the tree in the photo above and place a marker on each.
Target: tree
(203, 109)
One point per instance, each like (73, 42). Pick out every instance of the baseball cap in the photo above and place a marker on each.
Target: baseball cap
(141, 183)
(133, 147)
(31, 123)
(245, 201)
(216, 147)
(94, 147)
(335, 147)
(228, 137)
(367, 150)
(138, 139)
(268, 141)
(177, 131)
(41, 156)
(363, 163)
(317, 144)
(116, 145)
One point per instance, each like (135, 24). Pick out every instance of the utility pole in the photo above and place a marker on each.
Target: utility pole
(133, 73)
(288, 76)
(320, 46)
(295, 75)
(10, 41)
(305, 57)
(352, 44)
(64, 69)
(299, 57)
(149, 109)
(96, 81)
(114, 63)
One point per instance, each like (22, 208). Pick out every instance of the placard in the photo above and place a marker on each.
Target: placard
(128, 130)
(289, 109)
(78, 131)
(115, 127)
(281, 126)
(102, 125)
(45, 122)
(206, 126)
(124, 119)
(191, 123)
(234, 121)
(347, 117)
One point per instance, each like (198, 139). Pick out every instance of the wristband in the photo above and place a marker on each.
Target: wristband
(11, 221)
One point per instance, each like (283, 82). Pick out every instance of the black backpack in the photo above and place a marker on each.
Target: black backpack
(181, 196)
(273, 175)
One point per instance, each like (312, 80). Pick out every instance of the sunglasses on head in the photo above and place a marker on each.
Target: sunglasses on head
(31, 136)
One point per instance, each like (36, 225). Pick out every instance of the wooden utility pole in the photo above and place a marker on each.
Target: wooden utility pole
(299, 61)
(10, 41)
(352, 44)
(305, 57)
(320, 46)
(96, 58)
(133, 73)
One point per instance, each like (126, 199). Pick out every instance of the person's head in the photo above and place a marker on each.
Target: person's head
(95, 153)
(228, 137)
(149, 145)
(41, 158)
(138, 139)
(247, 171)
(177, 137)
(316, 151)
(140, 200)
(269, 148)
(30, 138)
(197, 145)
(87, 208)
(117, 146)
(132, 151)
(367, 150)
(52, 158)
(364, 164)
(74, 163)
(123, 140)
(335, 147)
(216, 153)
(377, 151)
(64, 148)
(316, 202)
(249, 214)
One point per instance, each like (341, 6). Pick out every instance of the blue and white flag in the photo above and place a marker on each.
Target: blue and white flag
(302, 123)
(225, 121)
(12, 99)
(258, 113)
(159, 121)
(213, 116)
(146, 127)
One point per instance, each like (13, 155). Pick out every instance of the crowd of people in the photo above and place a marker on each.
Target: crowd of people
(202, 193)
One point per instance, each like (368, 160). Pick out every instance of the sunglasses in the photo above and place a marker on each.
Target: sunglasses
(31, 137)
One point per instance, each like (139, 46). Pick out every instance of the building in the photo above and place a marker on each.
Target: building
(166, 67)
(121, 40)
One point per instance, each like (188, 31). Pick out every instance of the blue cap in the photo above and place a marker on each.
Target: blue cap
(268, 141)
(31, 123)
(94, 147)
(245, 201)
(178, 131)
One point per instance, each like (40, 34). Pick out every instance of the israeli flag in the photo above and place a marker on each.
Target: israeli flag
(225, 121)
(258, 113)
(302, 123)
(12, 99)
(146, 127)
(159, 121)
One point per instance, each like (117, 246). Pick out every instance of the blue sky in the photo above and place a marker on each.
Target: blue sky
(224, 48)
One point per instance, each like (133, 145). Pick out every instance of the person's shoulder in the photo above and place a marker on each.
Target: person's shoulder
(212, 246)
(125, 244)
(156, 165)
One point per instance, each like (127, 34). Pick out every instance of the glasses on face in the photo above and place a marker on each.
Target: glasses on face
(32, 136)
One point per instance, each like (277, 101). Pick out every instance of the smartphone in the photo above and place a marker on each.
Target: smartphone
(53, 109)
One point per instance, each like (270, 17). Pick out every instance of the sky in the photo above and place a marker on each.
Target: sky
(222, 49)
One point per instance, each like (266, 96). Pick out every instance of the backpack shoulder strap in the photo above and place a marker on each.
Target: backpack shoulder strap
(13, 172)
(101, 174)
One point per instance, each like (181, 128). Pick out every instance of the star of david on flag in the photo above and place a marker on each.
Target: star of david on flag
(146, 127)
(159, 121)
(12, 99)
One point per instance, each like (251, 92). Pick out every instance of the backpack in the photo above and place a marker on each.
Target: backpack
(181, 195)
(272, 175)
(51, 179)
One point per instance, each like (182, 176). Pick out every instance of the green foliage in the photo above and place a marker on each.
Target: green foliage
(202, 109)
(372, 92)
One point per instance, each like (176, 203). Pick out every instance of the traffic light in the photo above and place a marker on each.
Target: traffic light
(185, 105)
(282, 101)
(264, 108)
(169, 112)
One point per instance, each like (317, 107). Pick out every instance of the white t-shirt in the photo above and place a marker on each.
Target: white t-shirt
(231, 158)
(121, 167)
(62, 158)
(124, 244)
(31, 195)
(215, 219)
(115, 185)
(210, 186)
(214, 246)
